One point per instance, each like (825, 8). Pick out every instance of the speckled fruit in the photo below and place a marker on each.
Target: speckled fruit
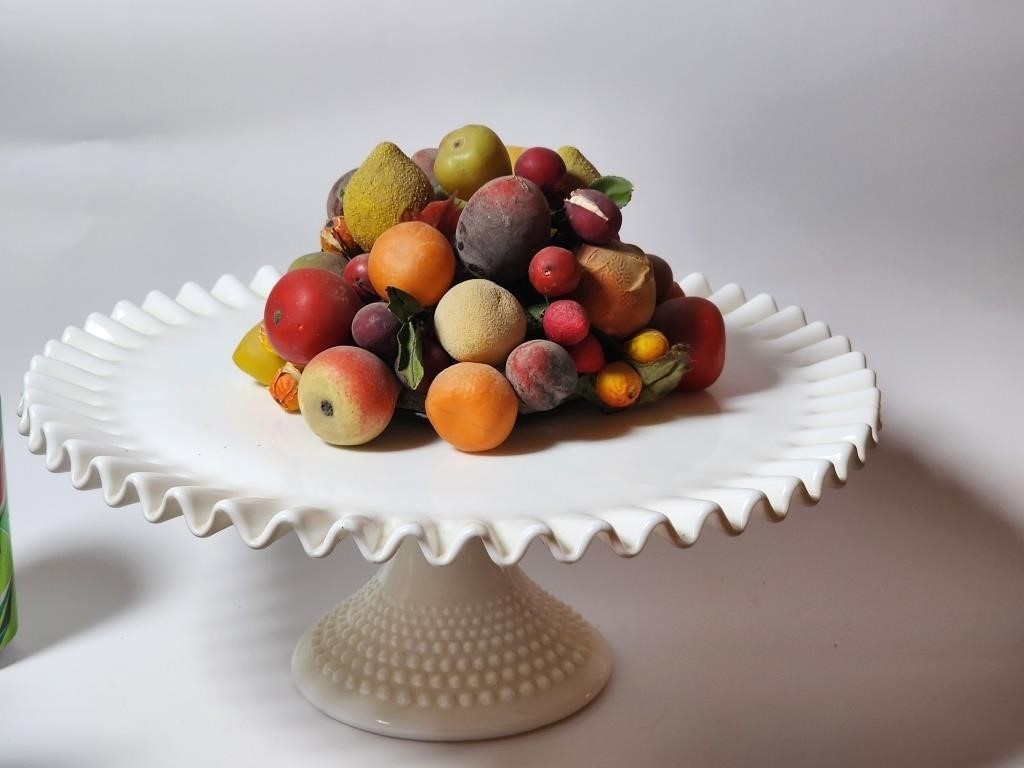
(347, 395)
(357, 274)
(617, 288)
(544, 167)
(593, 216)
(663, 279)
(580, 172)
(588, 355)
(375, 328)
(308, 311)
(479, 321)
(554, 271)
(542, 373)
(387, 189)
(565, 322)
(503, 225)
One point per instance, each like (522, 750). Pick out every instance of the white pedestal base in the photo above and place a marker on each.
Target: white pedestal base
(450, 653)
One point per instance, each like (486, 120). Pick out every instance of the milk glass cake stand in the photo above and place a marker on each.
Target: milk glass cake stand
(449, 640)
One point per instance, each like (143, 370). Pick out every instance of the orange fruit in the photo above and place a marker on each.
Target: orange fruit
(618, 385)
(415, 258)
(472, 406)
(647, 346)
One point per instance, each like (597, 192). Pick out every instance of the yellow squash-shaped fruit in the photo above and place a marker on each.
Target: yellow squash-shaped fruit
(579, 172)
(256, 357)
(386, 189)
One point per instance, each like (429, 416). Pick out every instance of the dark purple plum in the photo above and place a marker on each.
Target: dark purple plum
(375, 328)
(593, 216)
(357, 275)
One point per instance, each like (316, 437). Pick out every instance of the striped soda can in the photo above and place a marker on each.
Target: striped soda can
(8, 611)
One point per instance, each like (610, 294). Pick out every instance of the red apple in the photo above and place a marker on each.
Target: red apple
(308, 311)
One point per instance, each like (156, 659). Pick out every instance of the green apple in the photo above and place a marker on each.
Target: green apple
(468, 158)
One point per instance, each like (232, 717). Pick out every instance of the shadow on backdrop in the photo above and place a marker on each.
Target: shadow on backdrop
(71, 589)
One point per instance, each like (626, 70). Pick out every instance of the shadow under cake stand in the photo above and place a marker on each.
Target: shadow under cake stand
(450, 640)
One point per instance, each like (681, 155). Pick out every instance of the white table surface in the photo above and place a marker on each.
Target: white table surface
(862, 160)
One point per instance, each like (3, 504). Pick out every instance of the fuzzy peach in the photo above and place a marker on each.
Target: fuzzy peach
(542, 373)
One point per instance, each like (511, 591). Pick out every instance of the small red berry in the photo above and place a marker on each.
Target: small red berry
(588, 355)
(565, 322)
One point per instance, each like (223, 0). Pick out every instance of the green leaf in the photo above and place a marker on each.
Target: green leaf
(585, 388)
(534, 319)
(410, 354)
(617, 188)
(414, 402)
(402, 305)
(663, 375)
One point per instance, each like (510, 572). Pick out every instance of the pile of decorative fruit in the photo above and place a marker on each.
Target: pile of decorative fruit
(473, 283)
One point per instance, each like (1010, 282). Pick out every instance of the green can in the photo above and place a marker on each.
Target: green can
(8, 610)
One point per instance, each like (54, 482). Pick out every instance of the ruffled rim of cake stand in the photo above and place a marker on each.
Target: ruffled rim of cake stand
(61, 415)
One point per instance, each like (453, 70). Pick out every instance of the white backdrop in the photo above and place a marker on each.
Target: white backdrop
(864, 160)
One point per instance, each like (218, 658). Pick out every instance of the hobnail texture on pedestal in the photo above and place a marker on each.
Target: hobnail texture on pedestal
(465, 651)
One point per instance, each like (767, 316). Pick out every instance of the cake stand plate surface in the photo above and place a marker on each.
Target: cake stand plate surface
(146, 404)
